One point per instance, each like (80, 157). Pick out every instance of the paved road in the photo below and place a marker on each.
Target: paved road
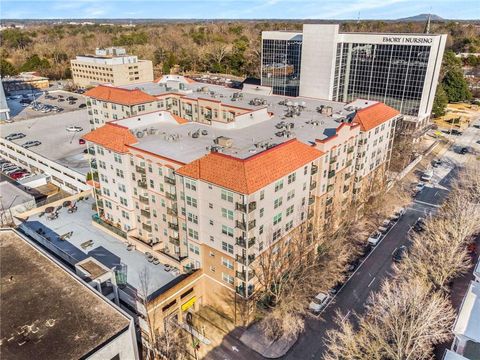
(376, 267)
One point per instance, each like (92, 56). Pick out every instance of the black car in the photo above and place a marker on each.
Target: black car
(81, 106)
(436, 163)
(419, 225)
(399, 253)
(455, 132)
(464, 151)
(335, 289)
(72, 98)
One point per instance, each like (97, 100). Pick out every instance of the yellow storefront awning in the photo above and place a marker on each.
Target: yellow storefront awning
(189, 303)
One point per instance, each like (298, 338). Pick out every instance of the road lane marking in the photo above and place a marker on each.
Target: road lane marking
(426, 203)
(394, 250)
(371, 282)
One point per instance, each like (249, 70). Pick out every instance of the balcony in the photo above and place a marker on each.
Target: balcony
(142, 184)
(251, 242)
(330, 187)
(172, 211)
(145, 213)
(243, 207)
(311, 200)
(331, 174)
(350, 150)
(240, 225)
(140, 169)
(171, 196)
(252, 224)
(314, 169)
(143, 199)
(174, 240)
(313, 185)
(310, 215)
(240, 241)
(329, 201)
(348, 176)
(349, 162)
(242, 275)
(169, 180)
(147, 228)
(241, 259)
(173, 226)
(333, 159)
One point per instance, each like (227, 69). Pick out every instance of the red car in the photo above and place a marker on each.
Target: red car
(81, 141)
(18, 174)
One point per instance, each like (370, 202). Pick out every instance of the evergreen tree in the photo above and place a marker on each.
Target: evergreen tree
(440, 102)
(7, 69)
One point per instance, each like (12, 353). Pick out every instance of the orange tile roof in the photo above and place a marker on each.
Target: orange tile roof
(179, 119)
(112, 136)
(119, 95)
(374, 115)
(249, 175)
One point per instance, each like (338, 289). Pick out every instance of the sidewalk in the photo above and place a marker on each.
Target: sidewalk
(256, 340)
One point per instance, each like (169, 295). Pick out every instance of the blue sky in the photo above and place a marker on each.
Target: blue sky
(237, 9)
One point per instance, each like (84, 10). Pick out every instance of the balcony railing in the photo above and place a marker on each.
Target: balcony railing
(330, 187)
(311, 200)
(240, 241)
(142, 184)
(240, 225)
(333, 159)
(173, 226)
(143, 199)
(108, 226)
(348, 176)
(331, 174)
(349, 162)
(350, 150)
(243, 207)
(314, 169)
(174, 240)
(140, 169)
(245, 260)
(145, 213)
(252, 224)
(313, 185)
(243, 274)
(310, 215)
(329, 201)
(171, 196)
(169, 180)
(172, 211)
(147, 227)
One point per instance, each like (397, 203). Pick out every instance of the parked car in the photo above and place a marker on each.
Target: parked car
(17, 175)
(318, 303)
(456, 132)
(74, 128)
(386, 225)
(32, 143)
(81, 141)
(81, 106)
(464, 150)
(335, 289)
(352, 265)
(420, 186)
(12, 170)
(436, 163)
(375, 237)
(419, 225)
(72, 98)
(7, 166)
(15, 136)
(427, 175)
(399, 253)
(397, 214)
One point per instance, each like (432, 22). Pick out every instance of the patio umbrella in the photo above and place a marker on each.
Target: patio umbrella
(67, 203)
(49, 209)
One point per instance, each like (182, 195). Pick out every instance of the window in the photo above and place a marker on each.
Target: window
(277, 202)
(191, 201)
(122, 188)
(227, 247)
(278, 185)
(289, 225)
(193, 234)
(227, 263)
(194, 248)
(291, 178)
(277, 219)
(277, 234)
(192, 218)
(227, 230)
(117, 158)
(262, 211)
(191, 184)
(290, 195)
(227, 195)
(227, 278)
(260, 230)
(119, 173)
(262, 194)
(228, 214)
(123, 201)
(290, 210)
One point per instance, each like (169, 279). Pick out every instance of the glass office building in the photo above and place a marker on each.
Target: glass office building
(281, 60)
(393, 74)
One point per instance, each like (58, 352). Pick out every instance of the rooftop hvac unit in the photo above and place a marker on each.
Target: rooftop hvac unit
(224, 141)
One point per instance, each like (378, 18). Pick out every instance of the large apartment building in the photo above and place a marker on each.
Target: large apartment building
(400, 70)
(110, 66)
(212, 177)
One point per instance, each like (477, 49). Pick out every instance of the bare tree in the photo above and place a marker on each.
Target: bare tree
(404, 321)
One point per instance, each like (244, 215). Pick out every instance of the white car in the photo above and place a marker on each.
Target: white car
(375, 238)
(427, 176)
(420, 186)
(74, 128)
(397, 214)
(318, 303)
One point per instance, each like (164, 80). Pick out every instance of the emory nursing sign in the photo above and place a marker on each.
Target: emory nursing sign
(406, 40)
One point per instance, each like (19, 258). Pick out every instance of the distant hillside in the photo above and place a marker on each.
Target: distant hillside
(422, 17)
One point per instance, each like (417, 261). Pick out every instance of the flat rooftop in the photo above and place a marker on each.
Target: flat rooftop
(467, 323)
(58, 144)
(265, 126)
(11, 195)
(87, 240)
(47, 313)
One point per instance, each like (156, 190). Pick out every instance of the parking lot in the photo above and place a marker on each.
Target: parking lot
(36, 103)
